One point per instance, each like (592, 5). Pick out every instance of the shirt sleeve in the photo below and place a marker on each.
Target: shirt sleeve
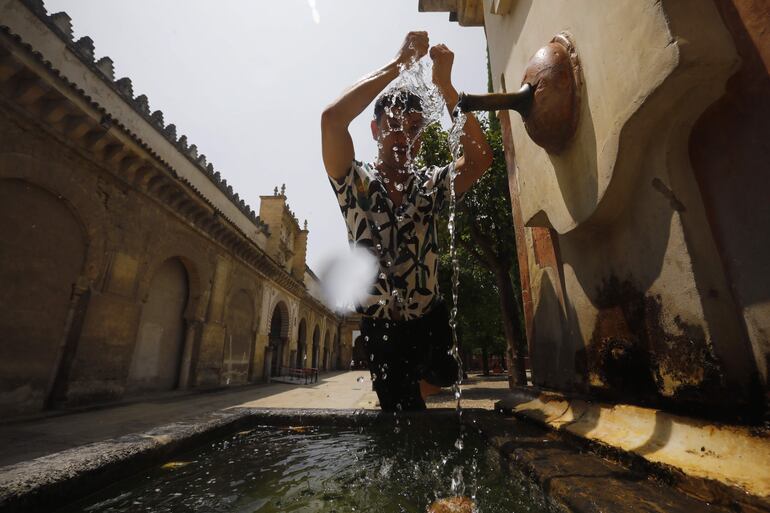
(344, 188)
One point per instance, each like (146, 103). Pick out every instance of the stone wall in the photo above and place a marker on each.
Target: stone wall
(641, 243)
(124, 273)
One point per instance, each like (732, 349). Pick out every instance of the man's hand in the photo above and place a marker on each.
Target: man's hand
(414, 48)
(442, 66)
(336, 143)
(477, 155)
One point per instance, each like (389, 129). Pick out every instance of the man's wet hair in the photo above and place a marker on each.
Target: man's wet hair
(402, 99)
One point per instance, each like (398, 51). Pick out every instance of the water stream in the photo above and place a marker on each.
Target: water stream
(455, 134)
(414, 79)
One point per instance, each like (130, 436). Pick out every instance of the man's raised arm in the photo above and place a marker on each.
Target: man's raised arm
(336, 143)
(477, 154)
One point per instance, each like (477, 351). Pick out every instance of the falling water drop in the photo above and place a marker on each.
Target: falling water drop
(458, 486)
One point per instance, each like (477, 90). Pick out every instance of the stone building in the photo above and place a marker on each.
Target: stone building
(643, 238)
(128, 265)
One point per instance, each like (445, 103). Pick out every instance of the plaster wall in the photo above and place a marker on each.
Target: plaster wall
(625, 290)
(730, 152)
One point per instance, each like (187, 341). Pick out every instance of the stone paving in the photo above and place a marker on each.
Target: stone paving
(30, 439)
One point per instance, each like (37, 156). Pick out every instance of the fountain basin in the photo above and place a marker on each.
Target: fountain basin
(317, 456)
(390, 465)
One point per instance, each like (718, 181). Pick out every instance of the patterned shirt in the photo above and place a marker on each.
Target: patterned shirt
(402, 237)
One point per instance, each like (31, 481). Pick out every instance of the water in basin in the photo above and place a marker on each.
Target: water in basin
(312, 469)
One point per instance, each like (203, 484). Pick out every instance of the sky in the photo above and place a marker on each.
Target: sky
(247, 80)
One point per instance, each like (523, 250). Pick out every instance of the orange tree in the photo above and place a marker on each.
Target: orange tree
(486, 251)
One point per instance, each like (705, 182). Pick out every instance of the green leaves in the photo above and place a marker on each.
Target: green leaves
(484, 212)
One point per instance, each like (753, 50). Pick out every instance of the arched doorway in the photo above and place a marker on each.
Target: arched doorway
(239, 337)
(42, 253)
(316, 347)
(158, 352)
(278, 338)
(301, 344)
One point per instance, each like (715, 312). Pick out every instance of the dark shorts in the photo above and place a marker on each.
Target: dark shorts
(401, 353)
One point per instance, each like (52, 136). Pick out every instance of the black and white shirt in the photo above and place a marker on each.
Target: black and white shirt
(402, 237)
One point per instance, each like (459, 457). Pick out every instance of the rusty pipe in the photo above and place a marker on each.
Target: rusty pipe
(520, 101)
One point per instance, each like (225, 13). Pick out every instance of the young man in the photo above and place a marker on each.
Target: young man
(391, 211)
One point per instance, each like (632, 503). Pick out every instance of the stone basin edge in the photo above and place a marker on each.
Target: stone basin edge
(711, 461)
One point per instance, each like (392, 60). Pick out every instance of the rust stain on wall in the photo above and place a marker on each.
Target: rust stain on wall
(632, 355)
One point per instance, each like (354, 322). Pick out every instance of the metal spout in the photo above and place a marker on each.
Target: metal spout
(520, 101)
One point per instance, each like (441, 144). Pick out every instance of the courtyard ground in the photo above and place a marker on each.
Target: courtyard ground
(25, 440)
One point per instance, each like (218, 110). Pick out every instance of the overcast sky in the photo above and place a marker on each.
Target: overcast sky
(246, 81)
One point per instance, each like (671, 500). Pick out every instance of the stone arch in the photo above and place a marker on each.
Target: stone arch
(192, 266)
(43, 256)
(274, 297)
(277, 339)
(301, 343)
(316, 346)
(239, 338)
(55, 178)
(252, 286)
(157, 357)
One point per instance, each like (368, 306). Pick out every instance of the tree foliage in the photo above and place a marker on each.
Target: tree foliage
(486, 247)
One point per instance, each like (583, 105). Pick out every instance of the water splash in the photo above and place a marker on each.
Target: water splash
(458, 484)
(413, 78)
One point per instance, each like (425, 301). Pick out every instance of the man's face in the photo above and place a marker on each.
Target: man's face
(398, 136)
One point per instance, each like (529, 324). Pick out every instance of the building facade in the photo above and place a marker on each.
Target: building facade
(128, 265)
(643, 244)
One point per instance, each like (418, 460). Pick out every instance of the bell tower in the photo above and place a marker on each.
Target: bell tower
(287, 243)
